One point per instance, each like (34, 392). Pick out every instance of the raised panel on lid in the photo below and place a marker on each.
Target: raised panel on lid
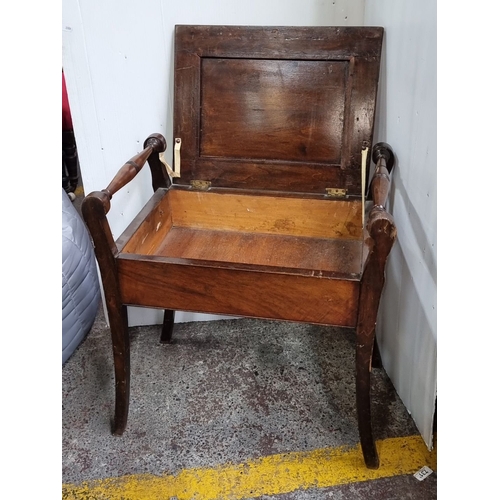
(272, 109)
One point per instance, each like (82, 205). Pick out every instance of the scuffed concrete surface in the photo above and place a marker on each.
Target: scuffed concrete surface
(224, 391)
(393, 488)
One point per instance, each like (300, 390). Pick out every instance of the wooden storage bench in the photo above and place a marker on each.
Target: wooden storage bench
(263, 212)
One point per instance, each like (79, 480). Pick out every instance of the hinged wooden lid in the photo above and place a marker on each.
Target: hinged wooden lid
(275, 108)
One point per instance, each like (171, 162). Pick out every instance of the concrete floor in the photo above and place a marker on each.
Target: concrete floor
(226, 392)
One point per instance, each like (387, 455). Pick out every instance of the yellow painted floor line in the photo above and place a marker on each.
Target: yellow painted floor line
(269, 475)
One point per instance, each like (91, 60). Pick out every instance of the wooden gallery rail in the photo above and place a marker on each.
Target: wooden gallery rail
(149, 266)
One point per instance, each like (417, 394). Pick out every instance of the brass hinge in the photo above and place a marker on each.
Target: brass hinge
(336, 192)
(201, 185)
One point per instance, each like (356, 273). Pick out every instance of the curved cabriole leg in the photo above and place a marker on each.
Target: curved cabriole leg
(168, 326)
(383, 234)
(121, 353)
(364, 349)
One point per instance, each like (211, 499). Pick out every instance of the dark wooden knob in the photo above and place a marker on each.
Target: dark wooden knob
(157, 142)
(383, 150)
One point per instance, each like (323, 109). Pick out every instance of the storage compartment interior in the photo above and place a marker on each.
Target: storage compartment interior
(317, 234)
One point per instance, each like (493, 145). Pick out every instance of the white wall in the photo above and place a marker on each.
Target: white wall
(407, 329)
(118, 62)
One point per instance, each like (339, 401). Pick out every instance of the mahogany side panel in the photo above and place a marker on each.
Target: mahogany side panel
(235, 292)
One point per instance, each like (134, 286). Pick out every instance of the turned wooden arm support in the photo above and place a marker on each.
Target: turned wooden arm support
(154, 143)
(96, 205)
(381, 226)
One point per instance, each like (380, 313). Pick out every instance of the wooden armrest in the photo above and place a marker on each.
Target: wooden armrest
(380, 222)
(154, 143)
(96, 205)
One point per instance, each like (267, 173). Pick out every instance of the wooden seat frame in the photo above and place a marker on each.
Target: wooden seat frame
(265, 234)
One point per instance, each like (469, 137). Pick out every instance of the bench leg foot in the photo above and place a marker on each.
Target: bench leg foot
(168, 326)
(121, 353)
(364, 350)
